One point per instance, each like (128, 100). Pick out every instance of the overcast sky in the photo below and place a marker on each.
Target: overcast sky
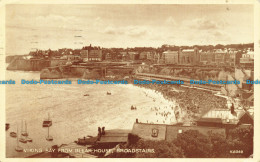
(58, 26)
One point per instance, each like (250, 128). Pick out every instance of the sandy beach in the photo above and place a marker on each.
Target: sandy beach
(161, 111)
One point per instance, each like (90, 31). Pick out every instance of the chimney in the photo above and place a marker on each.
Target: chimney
(136, 120)
(99, 133)
(103, 131)
(232, 109)
(55, 153)
(99, 130)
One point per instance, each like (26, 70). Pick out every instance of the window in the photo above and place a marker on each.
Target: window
(155, 132)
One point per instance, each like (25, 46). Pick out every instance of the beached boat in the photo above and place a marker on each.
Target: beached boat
(47, 122)
(13, 134)
(7, 126)
(89, 140)
(86, 94)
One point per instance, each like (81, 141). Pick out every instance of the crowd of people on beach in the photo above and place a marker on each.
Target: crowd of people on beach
(198, 101)
(163, 113)
(189, 105)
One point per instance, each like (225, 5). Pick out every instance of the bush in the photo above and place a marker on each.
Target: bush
(159, 149)
(243, 136)
(194, 144)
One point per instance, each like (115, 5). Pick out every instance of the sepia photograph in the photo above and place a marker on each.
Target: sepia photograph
(129, 80)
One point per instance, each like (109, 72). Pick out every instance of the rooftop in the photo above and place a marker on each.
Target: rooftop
(188, 50)
(170, 52)
(220, 51)
(222, 114)
(226, 116)
(144, 130)
(173, 130)
(169, 132)
(210, 120)
(115, 136)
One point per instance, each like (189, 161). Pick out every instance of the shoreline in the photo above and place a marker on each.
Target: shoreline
(188, 101)
(166, 110)
(159, 104)
(169, 93)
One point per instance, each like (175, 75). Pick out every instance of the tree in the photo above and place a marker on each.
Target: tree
(162, 149)
(194, 144)
(243, 136)
(220, 146)
(158, 149)
(133, 139)
(219, 46)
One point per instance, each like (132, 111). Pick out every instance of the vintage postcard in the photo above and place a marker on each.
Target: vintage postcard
(159, 79)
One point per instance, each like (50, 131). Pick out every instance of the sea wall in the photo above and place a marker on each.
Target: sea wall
(224, 74)
(28, 64)
(56, 62)
(91, 74)
(78, 71)
(9, 59)
(61, 72)
(54, 73)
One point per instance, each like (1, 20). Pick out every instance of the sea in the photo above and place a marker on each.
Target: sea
(73, 115)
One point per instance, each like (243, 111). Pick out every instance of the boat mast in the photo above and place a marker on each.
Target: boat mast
(25, 127)
(22, 126)
(17, 136)
(48, 132)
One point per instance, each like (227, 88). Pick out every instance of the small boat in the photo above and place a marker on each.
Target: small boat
(13, 134)
(23, 140)
(47, 122)
(24, 133)
(7, 126)
(108, 93)
(49, 138)
(89, 140)
(18, 148)
(29, 139)
(82, 141)
(133, 107)
(86, 94)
